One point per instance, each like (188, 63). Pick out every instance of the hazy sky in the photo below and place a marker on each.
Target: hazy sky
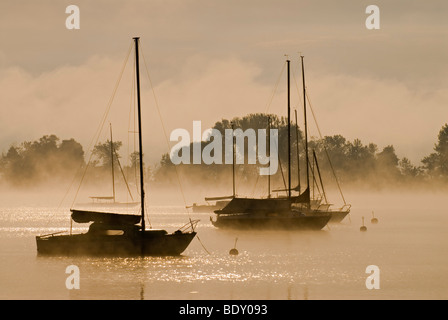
(210, 60)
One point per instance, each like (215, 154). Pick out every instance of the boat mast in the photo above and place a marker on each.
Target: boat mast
(233, 159)
(112, 161)
(289, 135)
(306, 129)
(320, 177)
(269, 155)
(298, 153)
(142, 190)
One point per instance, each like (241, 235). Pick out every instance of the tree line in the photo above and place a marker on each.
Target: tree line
(49, 158)
(351, 162)
(34, 162)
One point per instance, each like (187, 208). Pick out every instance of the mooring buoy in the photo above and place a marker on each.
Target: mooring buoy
(234, 251)
(374, 220)
(363, 227)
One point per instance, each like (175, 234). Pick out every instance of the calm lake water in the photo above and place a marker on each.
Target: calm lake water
(409, 245)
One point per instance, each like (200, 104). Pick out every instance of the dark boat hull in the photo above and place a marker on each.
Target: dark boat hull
(249, 221)
(151, 244)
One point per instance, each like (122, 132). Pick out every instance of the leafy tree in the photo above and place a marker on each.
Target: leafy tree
(221, 173)
(387, 163)
(33, 162)
(102, 152)
(407, 169)
(436, 164)
(72, 149)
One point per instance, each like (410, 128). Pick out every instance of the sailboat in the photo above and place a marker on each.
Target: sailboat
(320, 204)
(220, 201)
(212, 204)
(111, 201)
(119, 234)
(271, 213)
(317, 205)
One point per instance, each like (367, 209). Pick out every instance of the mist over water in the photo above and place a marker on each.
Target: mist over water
(408, 245)
(366, 86)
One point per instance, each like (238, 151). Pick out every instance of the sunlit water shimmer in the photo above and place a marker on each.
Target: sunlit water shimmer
(409, 245)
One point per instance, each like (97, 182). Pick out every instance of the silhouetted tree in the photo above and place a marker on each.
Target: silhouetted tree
(31, 163)
(407, 169)
(102, 152)
(436, 164)
(387, 165)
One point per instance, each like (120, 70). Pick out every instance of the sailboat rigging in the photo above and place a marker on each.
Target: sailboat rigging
(115, 233)
(110, 201)
(220, 201)
(315, 206)
(272, 213)
(309, 202)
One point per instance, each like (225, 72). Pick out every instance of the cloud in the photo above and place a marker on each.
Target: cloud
(383, 112)
(62, 101)
(212, 60)
(71, 100)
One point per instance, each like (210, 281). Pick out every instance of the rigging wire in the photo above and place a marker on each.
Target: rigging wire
(325, 149)
(268, 105)
(100, 127)
(168, 145)
(124, 176)
(281, 171)
(164, 130)
(258, 175)
(97, 133)
(320, 135)
(275, 88)
(267, 109)
(203, 245)
(256, 181)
